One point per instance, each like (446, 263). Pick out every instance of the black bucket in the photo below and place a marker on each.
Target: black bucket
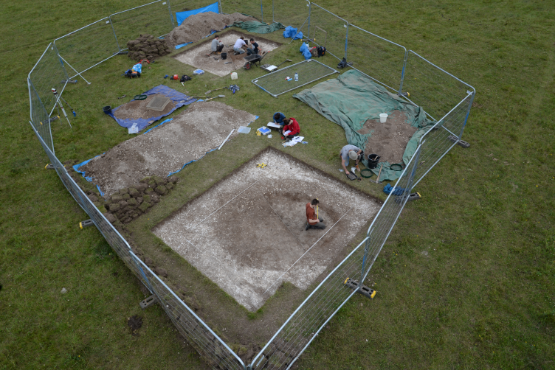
(373, 160)
(223, 55)
(107, 109)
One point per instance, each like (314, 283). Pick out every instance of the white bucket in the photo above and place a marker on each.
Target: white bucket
(383, 117)
(234, 76)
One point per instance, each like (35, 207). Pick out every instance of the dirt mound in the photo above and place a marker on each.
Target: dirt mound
(147, 46)
(137, 109)
(200, 25)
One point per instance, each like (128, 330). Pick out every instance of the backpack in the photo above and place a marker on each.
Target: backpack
(321, 51)
(185, 78)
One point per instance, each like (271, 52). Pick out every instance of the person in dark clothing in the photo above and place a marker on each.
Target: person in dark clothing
(254, 48)
(312, 220)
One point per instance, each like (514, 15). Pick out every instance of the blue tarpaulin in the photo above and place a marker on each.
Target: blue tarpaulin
(178, 98)
(181, 16)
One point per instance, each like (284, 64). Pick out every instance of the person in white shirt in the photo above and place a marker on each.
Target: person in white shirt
(238, 47)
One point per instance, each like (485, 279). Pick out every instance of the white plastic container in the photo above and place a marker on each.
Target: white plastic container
(383, 117)
(234, 76)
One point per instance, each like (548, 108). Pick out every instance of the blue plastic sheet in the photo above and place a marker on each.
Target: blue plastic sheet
(178, 98)
(298, 36)
(398, 191)
(289, 32)
(304, 50)
(181, 16)
(182, 45)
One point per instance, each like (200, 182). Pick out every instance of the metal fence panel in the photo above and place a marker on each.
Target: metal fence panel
(295, 16)
(84, 48)
(188, 323)
(329, 30)
(432, 88)
(442, 137)
(48, 73)
(322, 304)
(378, 58)
(39, 117)
(283, 80)
(252, 8)
(152, 19)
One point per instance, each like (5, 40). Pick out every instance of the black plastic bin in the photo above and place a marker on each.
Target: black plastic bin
(373, 160)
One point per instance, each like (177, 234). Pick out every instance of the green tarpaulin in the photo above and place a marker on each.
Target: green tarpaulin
(259, 27)
(351, 99)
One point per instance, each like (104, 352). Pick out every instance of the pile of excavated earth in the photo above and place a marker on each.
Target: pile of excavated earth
(197, 26)
(147, 47)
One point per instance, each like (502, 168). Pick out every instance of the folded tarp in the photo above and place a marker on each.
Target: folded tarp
(292, 32)
(305, 51)
(352, 99)
(178, 98)
(181, 16)
(259, 27)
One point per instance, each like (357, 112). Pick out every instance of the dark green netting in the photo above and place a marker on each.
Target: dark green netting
(351, 99)
(259, 27)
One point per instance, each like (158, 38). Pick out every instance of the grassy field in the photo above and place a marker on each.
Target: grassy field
(466, 280)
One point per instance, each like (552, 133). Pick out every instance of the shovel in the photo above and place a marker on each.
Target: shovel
(219, 96)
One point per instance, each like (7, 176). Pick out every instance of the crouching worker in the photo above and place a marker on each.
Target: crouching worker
(312, 221)
(217, 46)
(290, 128)
(350, 152)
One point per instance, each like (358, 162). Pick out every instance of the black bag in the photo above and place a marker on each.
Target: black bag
(321, 51)
(185, 78)
(224, 56)
(342, 64)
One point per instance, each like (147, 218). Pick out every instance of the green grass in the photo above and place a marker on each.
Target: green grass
(482, 297)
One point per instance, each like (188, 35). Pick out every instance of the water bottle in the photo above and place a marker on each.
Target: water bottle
(296, 76)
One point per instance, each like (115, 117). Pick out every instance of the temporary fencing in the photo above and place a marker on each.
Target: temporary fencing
(445, 98)
(284, 80)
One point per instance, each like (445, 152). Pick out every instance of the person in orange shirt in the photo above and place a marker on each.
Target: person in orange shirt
(313, 222)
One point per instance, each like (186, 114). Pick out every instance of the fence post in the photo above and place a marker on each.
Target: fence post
(273, 13)
(309, 13)
(346, 39)
(403, 73)
(261, 11)
(364, 257)
(467, 112)
(114, 31)
(171, 15)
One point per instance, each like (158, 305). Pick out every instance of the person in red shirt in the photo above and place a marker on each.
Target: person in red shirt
(290, 129)
(313, 222)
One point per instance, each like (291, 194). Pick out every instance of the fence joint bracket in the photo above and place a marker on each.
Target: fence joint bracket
(49, 166)
(362, 289)
(86, 223)
(149, 301)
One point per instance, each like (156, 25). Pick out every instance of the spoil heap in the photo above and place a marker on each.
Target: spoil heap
(200, 25)
(147, 47)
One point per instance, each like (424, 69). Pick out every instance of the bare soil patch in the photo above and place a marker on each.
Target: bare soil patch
(389, 139)
(198, 57)
(247, 233)
(137, 109)
(200, 25)
(200, 128)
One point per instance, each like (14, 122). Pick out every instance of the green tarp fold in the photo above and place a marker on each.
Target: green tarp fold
(258, 27)
(351, 99)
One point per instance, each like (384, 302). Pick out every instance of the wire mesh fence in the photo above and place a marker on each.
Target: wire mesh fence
(293, 77)
(295, 16)
(328, 30)
(88, 46)
(153, 19)
(48, 73)
(431, 87)
(441, 94)
(205, 341)
(378, 58)
(313, 314)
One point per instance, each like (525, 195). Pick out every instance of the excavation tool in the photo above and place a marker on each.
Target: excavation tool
(59, 106)
(379, 173)
(273, 68)
(219, 96)
(261, 165)
(209, 91)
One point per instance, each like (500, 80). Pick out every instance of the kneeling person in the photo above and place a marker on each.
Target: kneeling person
(291, 128)
(350, 152)
(313, 222)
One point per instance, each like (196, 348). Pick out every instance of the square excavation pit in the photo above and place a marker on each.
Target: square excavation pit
(247, 233)
(167, 148)
(197, 55)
